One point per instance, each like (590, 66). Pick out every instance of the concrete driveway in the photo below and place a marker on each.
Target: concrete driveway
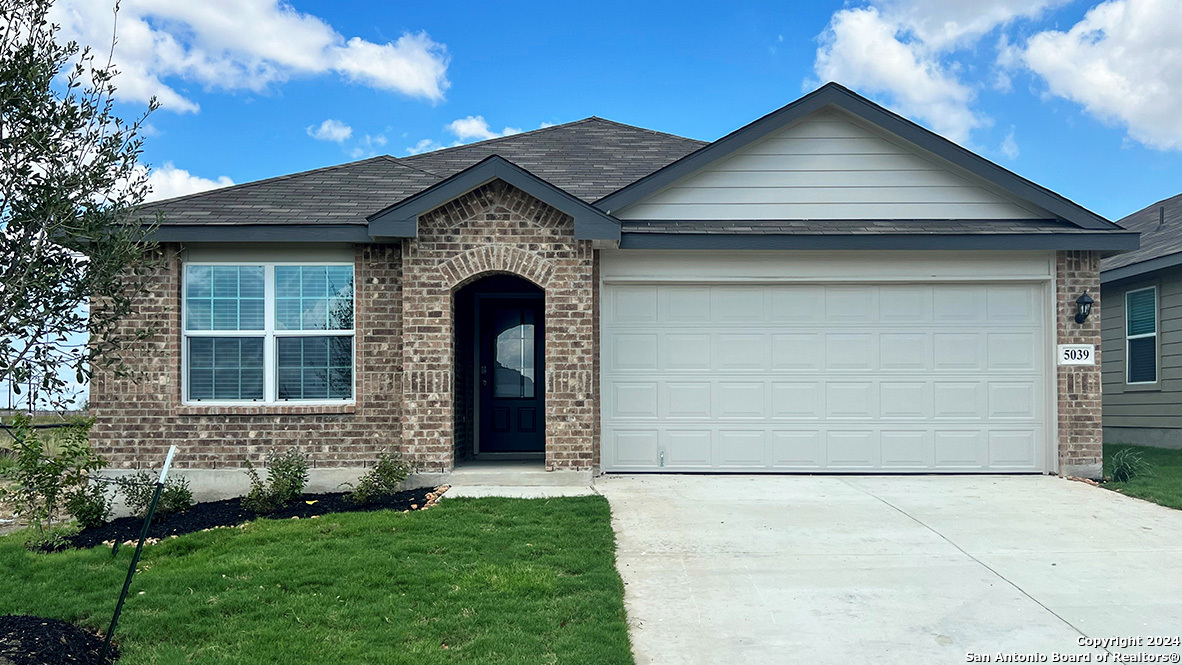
(844, 569)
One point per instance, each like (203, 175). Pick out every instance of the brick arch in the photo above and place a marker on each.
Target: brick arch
(466, 267)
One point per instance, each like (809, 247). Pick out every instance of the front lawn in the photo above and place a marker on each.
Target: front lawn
(1163, 485)
(469, 581)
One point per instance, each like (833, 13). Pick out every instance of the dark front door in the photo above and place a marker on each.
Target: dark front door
(509, 370)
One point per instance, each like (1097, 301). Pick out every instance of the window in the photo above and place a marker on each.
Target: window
(1141, 336)
(268, 333)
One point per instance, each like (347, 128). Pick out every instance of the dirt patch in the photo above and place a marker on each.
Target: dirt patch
(29, 640)
(229, 512)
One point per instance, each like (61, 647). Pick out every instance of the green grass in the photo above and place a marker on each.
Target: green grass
(469, 581)
(1163, 486)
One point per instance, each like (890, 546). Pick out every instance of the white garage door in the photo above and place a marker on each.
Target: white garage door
(906, 377)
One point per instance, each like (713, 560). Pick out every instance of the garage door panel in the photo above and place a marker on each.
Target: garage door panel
(797, 351)
(958, 449)
(845, 304)
(850, 399)
(906, 449)
(799, 449)
(740, 399)
(851, 448)
(904, 377)
(687, 351)
(797, 400)
(689, 448)
(741, 448)
(904, 350)
(1012, 448)
(634, 399)
(687, 400)
(1010, 350)
(904, 399)
(850, 351)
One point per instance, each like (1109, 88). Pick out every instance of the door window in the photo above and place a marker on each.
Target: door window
(513, 371)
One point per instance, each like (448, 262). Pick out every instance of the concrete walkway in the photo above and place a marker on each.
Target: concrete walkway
(832, 569)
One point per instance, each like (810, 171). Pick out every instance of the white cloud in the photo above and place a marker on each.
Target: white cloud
(243, 45)
(904, 49)
(1122, 64)
(475, 127)
(331, 130)
(1009, 146)
(168, 181)
(425, 145)
(368, 147)
(471, 128)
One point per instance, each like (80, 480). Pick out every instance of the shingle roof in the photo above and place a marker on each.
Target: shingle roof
(1158, 239)
(344, 194)
(589, 158)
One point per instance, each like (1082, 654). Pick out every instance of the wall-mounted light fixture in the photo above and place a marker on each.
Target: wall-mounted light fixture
(1084, 307)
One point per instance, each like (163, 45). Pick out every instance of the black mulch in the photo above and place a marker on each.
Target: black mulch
(28, 640)
(231, 513)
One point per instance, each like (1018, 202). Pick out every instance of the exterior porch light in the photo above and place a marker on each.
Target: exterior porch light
(1084, 304)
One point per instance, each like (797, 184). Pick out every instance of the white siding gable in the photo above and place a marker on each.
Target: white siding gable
(829, 166)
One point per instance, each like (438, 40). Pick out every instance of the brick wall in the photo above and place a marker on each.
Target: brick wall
(138, 417)
(498, 229)
(1080, 431)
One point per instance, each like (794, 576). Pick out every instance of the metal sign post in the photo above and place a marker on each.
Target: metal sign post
(135, 559)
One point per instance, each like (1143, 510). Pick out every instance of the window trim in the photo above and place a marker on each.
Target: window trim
(1154, 335)
(269, 333)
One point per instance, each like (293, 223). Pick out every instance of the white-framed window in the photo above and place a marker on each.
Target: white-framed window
(267, 332)
(1141, 336)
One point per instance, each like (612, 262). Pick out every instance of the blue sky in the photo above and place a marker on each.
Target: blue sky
(1072, 95)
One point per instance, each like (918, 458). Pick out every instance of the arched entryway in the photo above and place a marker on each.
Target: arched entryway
(499, 368)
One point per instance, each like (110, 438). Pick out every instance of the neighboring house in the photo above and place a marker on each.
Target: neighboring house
(830, 288)
(1142, 331)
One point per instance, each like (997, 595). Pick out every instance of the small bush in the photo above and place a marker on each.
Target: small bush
(176, 497)
(90, 505)
(139, 488)
(1128, 464)
(381, 480)
(287, 473)
(43, 481)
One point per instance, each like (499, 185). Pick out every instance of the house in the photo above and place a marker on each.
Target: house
(830, 288)
(1142, 332)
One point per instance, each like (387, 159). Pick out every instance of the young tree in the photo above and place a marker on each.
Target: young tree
(72, 248)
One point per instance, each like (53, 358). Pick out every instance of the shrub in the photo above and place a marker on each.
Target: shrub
(43, 481)
(287, 473)
(381, 480)
(1128, 464)
(139, 488)
(90, 505)
(176, 497)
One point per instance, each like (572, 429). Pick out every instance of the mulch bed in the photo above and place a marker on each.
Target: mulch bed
(28, 640)
(229, 512)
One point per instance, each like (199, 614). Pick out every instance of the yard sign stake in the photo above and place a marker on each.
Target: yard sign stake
(135, 559)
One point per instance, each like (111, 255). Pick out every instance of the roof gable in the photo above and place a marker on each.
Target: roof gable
(401, 220)
(829, 165)
(1002, 182)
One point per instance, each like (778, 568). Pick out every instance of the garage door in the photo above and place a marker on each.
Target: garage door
(906, 377)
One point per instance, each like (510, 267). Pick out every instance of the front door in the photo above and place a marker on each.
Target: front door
(510, 375)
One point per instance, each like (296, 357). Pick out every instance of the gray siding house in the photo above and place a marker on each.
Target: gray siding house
(1142, 331)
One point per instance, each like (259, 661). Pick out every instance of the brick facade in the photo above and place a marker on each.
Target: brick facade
(138, 417)
(498, 229)
(1080, 431)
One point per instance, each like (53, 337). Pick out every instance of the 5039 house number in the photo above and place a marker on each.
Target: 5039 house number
(1077, 354)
